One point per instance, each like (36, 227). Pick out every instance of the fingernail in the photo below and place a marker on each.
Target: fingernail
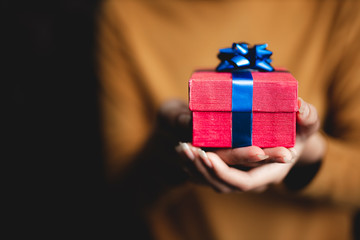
(282, 159)
(287, 159)
(205, 158)
(193, 149)
(293, 151)
(262, 156)
(304, 109)
(301, 105)
(185, 147)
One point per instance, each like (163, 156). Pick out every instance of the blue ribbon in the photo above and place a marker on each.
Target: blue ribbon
(240, 56)
(242, 96)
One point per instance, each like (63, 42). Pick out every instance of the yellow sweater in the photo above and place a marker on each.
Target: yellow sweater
(147, 51)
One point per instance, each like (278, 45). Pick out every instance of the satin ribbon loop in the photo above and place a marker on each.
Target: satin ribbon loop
(240, 56)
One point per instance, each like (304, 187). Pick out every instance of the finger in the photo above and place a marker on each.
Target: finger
(280, 154)
(268, 174)
(242, 155)
(199, 158)
(231, 176)
(282, 159)
(307, 118)
(175, 117)
(187, 158)
(185, 150)
(294, 153)
(171, 110)
(213, 181)
(253, 179)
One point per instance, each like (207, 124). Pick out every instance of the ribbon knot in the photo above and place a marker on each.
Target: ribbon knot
(240, 56)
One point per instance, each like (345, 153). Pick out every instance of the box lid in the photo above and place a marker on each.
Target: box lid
(272, 91)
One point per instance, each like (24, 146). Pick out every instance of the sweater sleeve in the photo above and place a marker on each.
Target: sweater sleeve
(338, 178)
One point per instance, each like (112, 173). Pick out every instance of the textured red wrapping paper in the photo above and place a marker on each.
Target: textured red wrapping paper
(274, 109)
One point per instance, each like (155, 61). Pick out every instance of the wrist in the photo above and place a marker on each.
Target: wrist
(308, 164)
(313, 150)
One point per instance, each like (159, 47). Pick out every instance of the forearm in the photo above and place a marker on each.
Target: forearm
(334, 177)
(309, 163)
(338, 179)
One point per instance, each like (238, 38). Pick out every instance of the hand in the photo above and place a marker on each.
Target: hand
(220, 168)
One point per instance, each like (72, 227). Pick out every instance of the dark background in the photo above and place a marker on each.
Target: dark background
(52, 159)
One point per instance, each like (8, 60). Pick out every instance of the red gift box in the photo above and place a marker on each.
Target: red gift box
(273, 113)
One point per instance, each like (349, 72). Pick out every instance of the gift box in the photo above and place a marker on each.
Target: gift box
(243, 107)
(230, 113)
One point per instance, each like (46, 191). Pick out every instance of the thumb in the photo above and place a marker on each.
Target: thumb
(307, 119)
(175, 118)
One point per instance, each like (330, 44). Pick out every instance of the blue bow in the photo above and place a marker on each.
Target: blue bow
(240, 56)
